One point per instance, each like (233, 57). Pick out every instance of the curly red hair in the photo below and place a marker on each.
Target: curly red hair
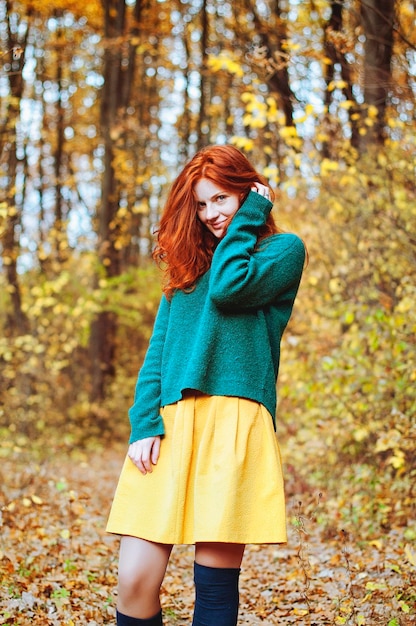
(184, 245)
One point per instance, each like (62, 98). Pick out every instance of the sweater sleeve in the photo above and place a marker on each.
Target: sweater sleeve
(245, 275)
(144, 415)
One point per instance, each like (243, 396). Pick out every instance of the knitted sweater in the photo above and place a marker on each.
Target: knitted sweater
(223, 338)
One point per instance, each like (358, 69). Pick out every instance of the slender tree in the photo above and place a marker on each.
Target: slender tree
(103, 330)
(272, 35)
(122, 30)
(14, 164)
(336, 49)
(203, 122)
(378, 18)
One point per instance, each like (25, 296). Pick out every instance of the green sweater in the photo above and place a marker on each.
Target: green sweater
(223, 338)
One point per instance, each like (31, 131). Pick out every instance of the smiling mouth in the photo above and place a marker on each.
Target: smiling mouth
(217, 225)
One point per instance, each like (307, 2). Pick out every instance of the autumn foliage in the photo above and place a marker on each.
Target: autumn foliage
(100, 107)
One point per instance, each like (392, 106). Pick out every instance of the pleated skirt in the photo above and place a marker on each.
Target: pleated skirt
(218, 478)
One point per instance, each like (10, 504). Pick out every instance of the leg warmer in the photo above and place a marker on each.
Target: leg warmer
(125, 620)
(217, 597)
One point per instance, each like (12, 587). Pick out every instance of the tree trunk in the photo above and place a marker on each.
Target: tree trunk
(377, 19)
(17, 320)
(119, 70)
(203, 122)
(60, 234)
(104, 328)
(277, 77)
(334, 52)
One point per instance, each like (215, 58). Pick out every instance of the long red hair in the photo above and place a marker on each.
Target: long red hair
(184, 246)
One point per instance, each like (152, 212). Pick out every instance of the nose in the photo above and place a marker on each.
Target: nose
(211, 211)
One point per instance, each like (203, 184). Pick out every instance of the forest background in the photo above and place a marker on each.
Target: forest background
(101, 104)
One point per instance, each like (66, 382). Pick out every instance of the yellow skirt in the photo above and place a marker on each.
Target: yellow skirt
(218, 478)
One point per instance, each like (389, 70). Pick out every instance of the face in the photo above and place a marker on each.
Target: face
(215, 206)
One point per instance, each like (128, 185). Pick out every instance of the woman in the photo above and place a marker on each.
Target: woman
(203, 465)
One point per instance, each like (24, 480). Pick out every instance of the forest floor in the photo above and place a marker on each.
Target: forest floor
(59, 567)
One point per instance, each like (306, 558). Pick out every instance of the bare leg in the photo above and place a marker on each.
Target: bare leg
(142, 567)
(219, 554)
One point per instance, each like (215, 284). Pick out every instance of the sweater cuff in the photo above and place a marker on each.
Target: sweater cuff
(153, 428)
(255, 208)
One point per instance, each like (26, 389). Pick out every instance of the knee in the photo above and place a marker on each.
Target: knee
(134, 583)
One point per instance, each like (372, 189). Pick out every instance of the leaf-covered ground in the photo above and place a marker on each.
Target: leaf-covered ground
(59, 567)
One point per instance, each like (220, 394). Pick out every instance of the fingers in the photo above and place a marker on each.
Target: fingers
(145, 453)
(262, 190)
(155, 451)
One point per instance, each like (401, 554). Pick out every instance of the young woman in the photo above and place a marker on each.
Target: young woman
(203, 465)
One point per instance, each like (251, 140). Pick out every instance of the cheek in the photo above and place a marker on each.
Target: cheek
(235, 207)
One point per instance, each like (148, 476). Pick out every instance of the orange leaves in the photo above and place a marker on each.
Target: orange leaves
(68, 567)
(52, 544)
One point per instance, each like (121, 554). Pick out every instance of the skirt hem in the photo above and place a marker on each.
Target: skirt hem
(183, 542)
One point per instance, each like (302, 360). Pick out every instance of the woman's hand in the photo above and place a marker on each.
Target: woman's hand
(262, 190)
(145, 453)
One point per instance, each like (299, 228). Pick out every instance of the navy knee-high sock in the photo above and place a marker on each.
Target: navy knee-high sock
(217, 597)
(125, 620)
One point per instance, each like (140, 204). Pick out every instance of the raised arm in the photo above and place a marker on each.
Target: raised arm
(244, 274)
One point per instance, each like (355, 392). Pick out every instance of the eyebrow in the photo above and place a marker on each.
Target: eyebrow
(219, 193)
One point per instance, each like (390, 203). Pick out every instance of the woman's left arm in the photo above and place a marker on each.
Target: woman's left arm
(244, 274)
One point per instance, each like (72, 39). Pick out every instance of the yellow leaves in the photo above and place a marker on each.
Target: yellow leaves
(290, 136)
(397, 460)
(382, 159)
(410, 555)
(337, 84)
(335, 285)
(392, 440)
(288, 45)
(243, 143)
(336, 208)
(122, 213)
(376, 586)
(272, 174)
(90, 10)
(406, 304)
(346, 104)
(288, 132)
(300, 612)
(141, 208)
(395, 122)
(349, 317)
(7, 210)
(372, 112)
(225, 61)
(360, 434)
(256, 111)
(328, 166)
(387, 441)
(34, 499)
